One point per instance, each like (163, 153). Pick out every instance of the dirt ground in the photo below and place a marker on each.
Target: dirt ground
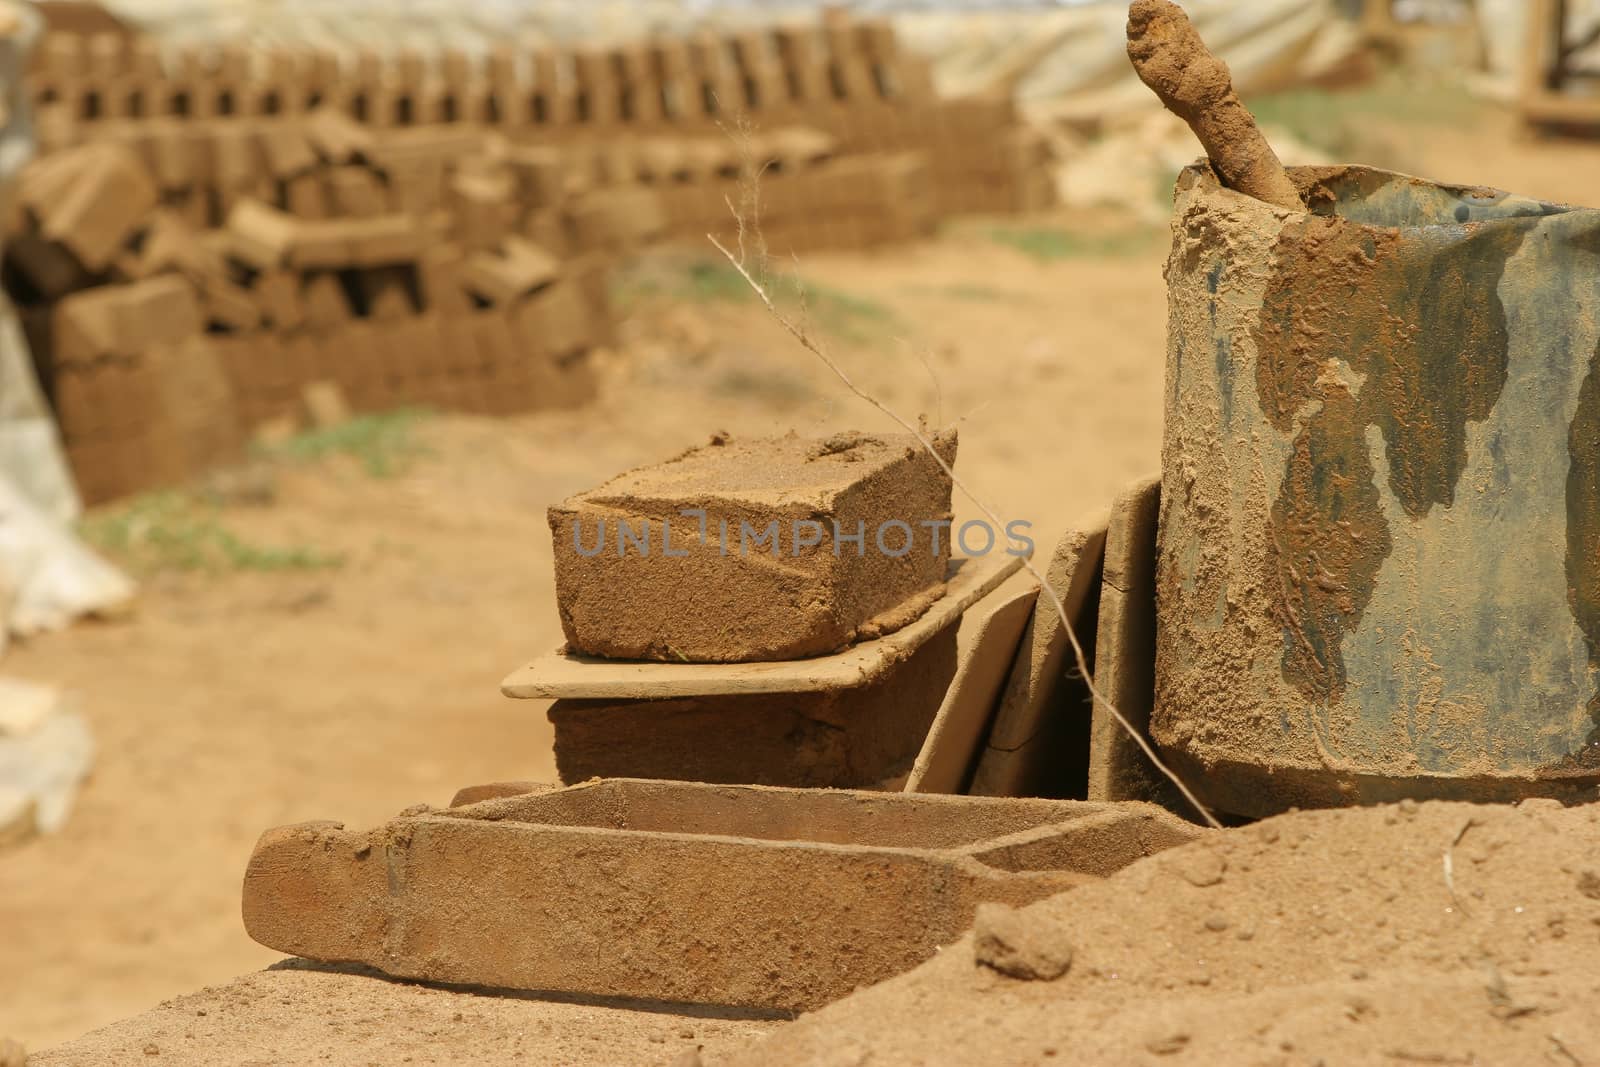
(267, 694)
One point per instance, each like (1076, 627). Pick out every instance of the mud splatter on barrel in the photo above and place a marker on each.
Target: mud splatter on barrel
(1379, 569)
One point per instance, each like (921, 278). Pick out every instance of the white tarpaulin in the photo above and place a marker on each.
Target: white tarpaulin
(1050, 56)
(30, 450)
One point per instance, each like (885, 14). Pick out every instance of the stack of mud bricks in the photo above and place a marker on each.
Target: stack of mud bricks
(399, 267)
(808, 197)
(703, 594)
(845, 77)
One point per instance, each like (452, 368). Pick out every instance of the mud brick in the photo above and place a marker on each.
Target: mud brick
(323, 244)
(576, 383)
(799, 50)
(77, 408)
(757, 59)
(430, 102)
(172, 157)
(161, 310)
(277, 295)
(47, 266)
(228, 305)
(617, 219)
(427, 340)
(484, 205)
(737, 607)
(458, 348)
(335, 136)
(722, 88)
(84, 326)
(711, 158)
(599, 96)
(387, 105)
(416, 185)
(302, 359)
(236, 157)
(356, 192)
(306, 197)
(325, 303)
(385, 293)
(262, 236)
(639, 87)
(440, 278)
(233, 63)
(540, 174)
(557, 319)
(109, 196)
(554, 96)
(402, 369)
(285, 148)
(470, 104)
(848, 68)
(796, 147)
(383, 240)
(456, 68)
(679, 92)
(548, 230)
(495, 343)
(107, 54)
(93, 471)
(63, 55)
(518, 268)
(512, 105)
(657, 160)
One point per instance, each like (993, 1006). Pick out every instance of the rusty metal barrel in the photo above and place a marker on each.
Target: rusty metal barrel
(1379, 552)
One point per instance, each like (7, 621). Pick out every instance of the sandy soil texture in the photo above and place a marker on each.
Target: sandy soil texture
(299, 1013)
(1432, 933)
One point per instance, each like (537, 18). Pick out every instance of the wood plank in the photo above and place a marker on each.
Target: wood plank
(565, 676)
(1125, 651)
(1045, 704)
(986, 644)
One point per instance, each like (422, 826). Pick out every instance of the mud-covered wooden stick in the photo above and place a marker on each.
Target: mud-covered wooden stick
(1195, 85)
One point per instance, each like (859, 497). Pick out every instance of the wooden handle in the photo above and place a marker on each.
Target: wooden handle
(1195, 85)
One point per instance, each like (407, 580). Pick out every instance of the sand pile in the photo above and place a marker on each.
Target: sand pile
(1434, 933)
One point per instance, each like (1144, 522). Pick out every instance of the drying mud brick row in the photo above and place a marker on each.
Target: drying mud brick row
(856, 737)
(139, 390)
(839, 888)
(485, 361)
(846, 77)
(368, 294)
(758, 550)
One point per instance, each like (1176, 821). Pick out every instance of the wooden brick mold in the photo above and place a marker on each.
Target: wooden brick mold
(775, 899)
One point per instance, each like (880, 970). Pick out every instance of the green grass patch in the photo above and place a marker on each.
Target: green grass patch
(385, 444)
(1051, 243)
(173, 531)
(1337, 121)
(711, 280)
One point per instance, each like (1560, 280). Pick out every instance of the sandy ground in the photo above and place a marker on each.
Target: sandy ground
(232, 703)
(303, 1013)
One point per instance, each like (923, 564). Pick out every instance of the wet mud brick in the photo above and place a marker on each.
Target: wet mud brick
(768, 602)
(851, 738)
(108, 195)
(630, 888)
